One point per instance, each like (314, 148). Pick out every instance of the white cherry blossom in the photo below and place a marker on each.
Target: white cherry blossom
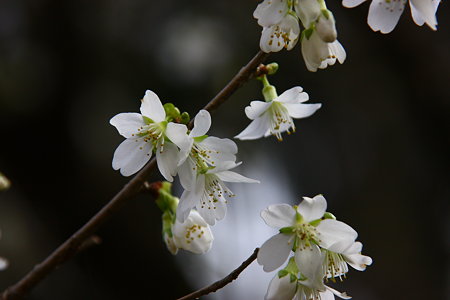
(384, 14)
(303, 231)
(145, 134)
(209, 193)
(275, 117)
(319, 54)
(193, 235)
(271, 12)
(284, 34)
(338, 255)
(199, 150)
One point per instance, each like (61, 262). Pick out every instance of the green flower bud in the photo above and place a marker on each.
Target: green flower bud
(172, 112)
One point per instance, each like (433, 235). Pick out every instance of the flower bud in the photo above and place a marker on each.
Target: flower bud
(326, 26)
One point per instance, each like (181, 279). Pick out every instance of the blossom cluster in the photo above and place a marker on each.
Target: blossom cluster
(202, 162)
(281, 29)
(323, 248)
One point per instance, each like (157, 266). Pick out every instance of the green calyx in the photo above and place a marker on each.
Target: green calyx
(165, 200)
(173, 114)
(308, 32)
(291, 269)
(328, 215)
(199, 139)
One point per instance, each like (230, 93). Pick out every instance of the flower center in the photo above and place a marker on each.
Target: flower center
(215, 191)
(335, 265)
(280, 120)
(152, 132)
(305, 235)
(193, 232)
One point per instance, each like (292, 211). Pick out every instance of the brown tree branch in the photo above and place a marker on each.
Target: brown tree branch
(70, 247)
(222, 282)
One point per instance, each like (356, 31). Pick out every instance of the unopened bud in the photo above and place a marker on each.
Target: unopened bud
(272, 68)
(326, 26)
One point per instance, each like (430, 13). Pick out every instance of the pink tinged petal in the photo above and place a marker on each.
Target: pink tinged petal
(281, 288)
(352, 3)
(301, 110)
(230, 176)
(293, 95)
(187, 174)
(274, 252)
(384, 15)
(333, 231)
(202, 123)
(255, 130)
(167, 159)
(131, 156)
(127, 124)
(279, 215)
(152, 107)
(312, 208)
(424, 11)
(309, 260)
(256, 109)
(337, 293)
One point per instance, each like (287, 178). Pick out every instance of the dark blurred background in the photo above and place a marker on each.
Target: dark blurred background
(378, 149)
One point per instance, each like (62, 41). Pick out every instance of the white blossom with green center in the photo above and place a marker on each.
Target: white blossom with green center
(290, 284)
(145, 133)
(384, 14)
(200, 151)
(304, 229)
(274, 116)
(208, 192)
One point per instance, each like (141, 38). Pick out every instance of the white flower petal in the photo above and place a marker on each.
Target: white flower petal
(352, 3)
(188, 201)
(177, 133)
(302, 110)
(333, 231)
(256, 109)
(187, 173)
(131, 156)
(424, 11)
(230, 176)
(281, 288)
(218, 150)
(202, 123)
(127, 124)
(337, 293)
(271, 12)
(358, 261)
(293, 95)
(384, 15)
(308, 259)
(255, 130)
(167, 159)
(274, 252)
(312, 208)
(152, 107)
(212, 213)
(279, 215)
(308, 11)
(193, 235)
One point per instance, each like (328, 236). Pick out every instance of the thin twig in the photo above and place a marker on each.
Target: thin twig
(70, 247)
(222, 282)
